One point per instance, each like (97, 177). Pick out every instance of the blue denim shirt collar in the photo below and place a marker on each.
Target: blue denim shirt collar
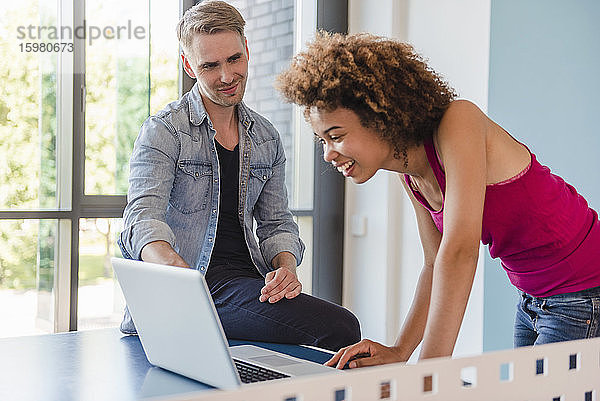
(198, 113)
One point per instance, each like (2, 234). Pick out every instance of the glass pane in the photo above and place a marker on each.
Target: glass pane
(27, 269)
(304, 163)
(28, 105)
(164, 54)
(100, 300)
(270, 29)
(123, 73)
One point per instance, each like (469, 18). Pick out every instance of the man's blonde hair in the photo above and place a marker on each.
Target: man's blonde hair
(208, 17)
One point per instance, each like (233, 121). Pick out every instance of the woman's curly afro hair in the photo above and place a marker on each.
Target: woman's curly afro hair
(383, 81)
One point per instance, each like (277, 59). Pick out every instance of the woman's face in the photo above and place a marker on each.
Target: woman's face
(356, 151)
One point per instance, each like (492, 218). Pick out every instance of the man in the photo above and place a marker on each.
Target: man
(202, 170)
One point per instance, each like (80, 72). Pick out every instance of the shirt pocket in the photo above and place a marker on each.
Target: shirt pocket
(191, 187)
(259, 175)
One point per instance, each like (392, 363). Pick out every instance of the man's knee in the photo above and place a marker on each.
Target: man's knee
(346, 328)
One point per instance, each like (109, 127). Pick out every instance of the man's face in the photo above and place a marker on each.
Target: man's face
(219, 62)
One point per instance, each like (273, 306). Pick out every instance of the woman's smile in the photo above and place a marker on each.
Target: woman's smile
(345, 168)
(354, 150)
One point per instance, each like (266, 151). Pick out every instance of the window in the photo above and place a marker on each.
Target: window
(78, 80)
(100, 301)
(126, 79)
(27, 108)
(27, 276)
(73, 74)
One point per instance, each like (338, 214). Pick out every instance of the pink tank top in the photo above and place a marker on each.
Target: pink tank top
(543, 231)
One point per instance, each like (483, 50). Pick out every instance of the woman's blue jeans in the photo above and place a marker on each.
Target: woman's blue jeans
(562, 317)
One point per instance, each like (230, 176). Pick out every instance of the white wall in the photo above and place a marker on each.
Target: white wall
(382, 255)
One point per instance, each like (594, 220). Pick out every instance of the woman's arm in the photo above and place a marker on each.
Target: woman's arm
(413, 327)
(462, 144)
(450, 259)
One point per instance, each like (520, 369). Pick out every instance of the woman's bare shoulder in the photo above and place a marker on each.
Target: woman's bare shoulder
(462, 108)
(461, 121)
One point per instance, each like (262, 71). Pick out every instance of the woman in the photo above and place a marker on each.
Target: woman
(374, 104)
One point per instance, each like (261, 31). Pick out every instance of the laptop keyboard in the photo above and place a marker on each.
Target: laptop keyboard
(252, 373)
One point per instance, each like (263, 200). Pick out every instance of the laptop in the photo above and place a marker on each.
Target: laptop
(180, 330)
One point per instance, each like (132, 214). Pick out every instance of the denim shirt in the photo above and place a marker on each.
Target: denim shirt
(174, 186)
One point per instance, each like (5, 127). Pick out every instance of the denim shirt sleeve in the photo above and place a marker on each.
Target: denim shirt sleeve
(275, 227)
(152, 171)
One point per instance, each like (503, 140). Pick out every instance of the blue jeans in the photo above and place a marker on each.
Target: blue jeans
(301, 320)
(562, 317)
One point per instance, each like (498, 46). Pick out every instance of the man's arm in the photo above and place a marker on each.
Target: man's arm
(152, 171)
(275, 227)
(163, 253)
(284, 259)
(278, 234)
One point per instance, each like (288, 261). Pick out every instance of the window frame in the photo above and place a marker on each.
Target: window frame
(73, 204)
(329, 193)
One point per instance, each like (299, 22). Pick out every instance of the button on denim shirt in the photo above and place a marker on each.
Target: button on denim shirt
(174, 186)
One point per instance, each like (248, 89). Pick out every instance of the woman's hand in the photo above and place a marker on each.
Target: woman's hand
(367, 353)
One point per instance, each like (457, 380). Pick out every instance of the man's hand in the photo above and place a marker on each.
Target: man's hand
(283, 281)
(161, 252)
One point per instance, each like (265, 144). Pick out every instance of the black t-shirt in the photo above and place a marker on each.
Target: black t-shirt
(230, 255)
